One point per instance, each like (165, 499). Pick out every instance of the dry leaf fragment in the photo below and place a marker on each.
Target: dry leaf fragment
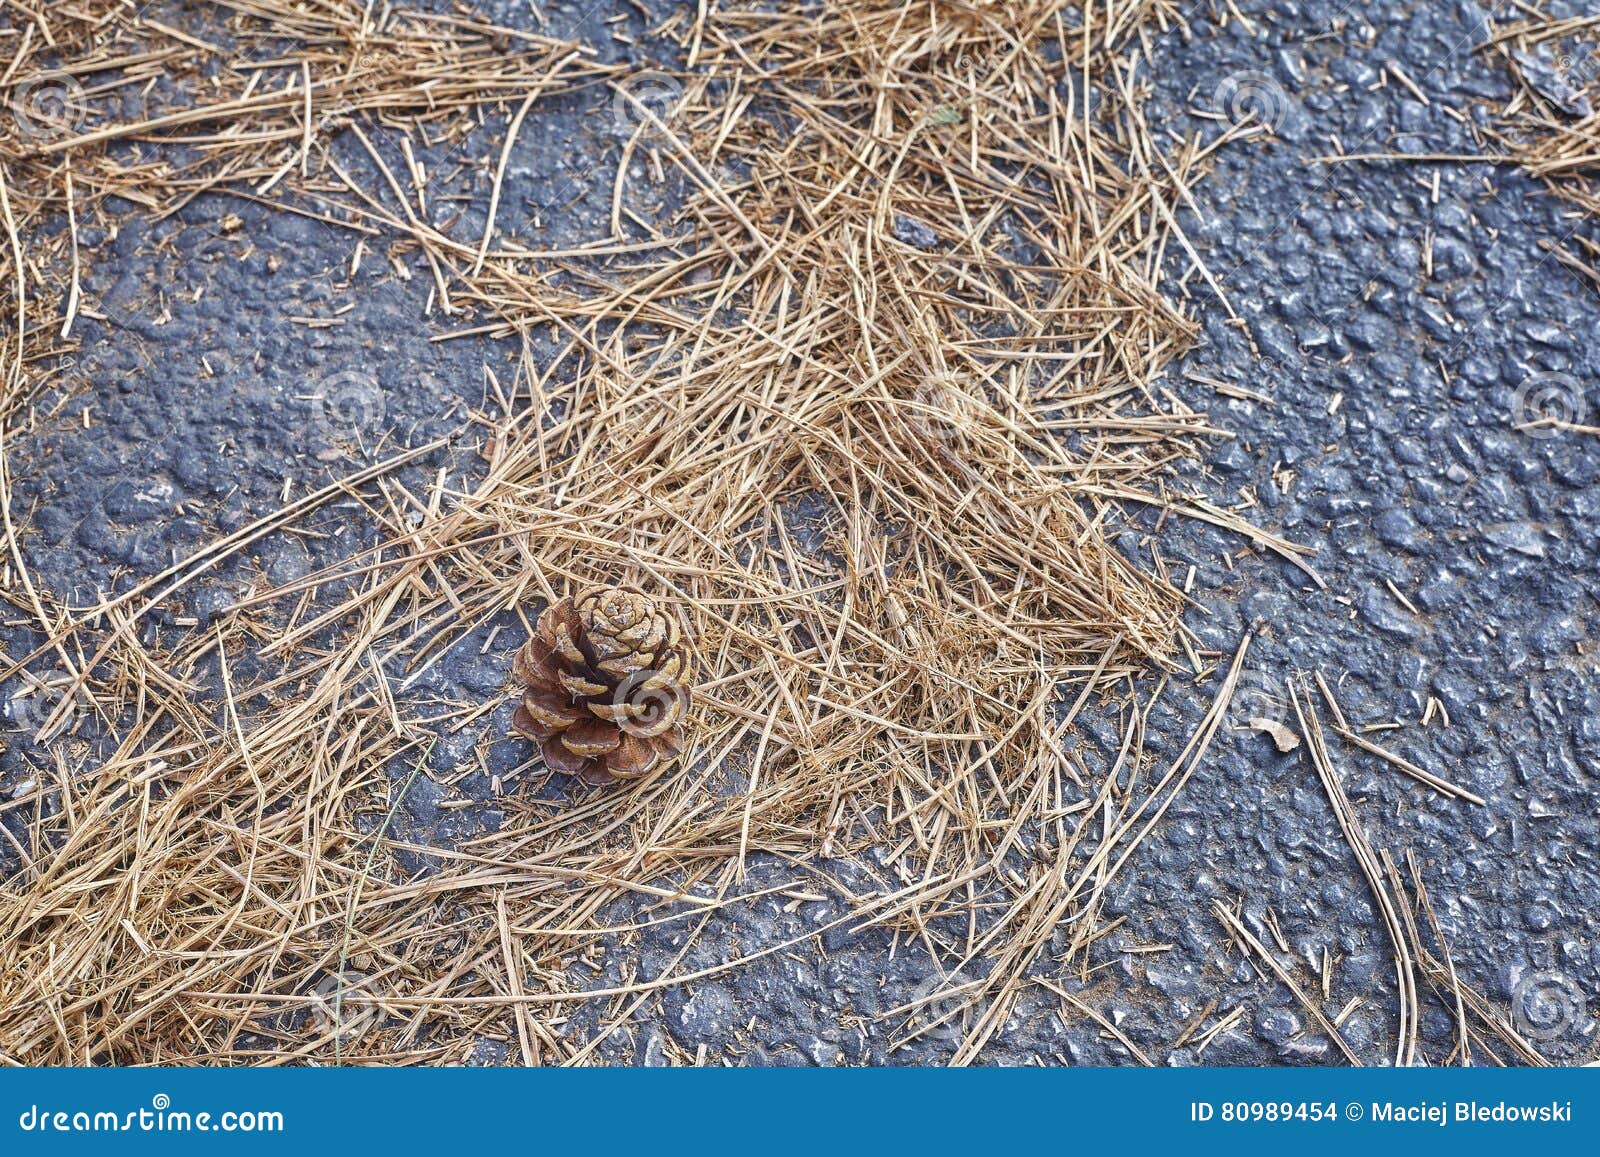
(1282, 737)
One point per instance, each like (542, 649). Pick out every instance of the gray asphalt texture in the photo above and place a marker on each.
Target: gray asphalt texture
(1389, 446)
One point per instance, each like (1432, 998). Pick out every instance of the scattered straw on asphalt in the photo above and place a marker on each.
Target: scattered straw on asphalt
(872, 404)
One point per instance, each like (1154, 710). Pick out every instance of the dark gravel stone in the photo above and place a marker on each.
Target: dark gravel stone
(914, 232)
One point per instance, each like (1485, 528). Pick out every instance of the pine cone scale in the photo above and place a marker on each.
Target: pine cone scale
(578, 687)
(550, 710)
(622, 668)
(557, 757)
(604, 685)
(534, 664)
(634, 756)
(591, 737)
(567, 647)
(525, 724)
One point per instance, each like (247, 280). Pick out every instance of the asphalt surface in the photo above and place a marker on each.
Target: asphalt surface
(1399, 310)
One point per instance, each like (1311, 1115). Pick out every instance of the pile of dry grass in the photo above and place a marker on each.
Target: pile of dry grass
(872, 412)
(1551, 127)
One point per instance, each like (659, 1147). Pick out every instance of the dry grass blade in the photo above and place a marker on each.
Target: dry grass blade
(1239, 932)
(1439, 970)
(872, 413)
(1550, 122)
(1551, 127)
(1342, 729)
(1355, 835)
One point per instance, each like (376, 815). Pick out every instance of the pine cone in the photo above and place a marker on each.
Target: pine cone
(607, 691)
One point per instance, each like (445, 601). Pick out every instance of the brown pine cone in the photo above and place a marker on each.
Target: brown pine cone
(607, 685)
